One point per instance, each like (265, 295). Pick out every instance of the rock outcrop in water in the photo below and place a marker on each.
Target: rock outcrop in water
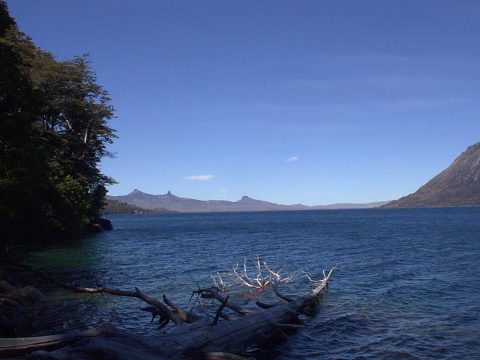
(458, 185)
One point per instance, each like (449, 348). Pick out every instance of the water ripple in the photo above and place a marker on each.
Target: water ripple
(407, 286)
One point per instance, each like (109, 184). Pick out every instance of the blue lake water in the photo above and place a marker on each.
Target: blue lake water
(407, 284)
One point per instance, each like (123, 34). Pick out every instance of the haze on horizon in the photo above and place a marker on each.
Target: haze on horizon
(311, 102)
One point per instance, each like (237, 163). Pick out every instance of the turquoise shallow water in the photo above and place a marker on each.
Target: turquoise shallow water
(407, 285)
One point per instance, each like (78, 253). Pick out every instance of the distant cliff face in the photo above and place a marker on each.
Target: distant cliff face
(458, 185)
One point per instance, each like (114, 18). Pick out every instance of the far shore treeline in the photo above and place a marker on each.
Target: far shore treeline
(53, 134)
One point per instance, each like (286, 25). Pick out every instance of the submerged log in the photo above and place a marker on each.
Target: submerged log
(196, 338)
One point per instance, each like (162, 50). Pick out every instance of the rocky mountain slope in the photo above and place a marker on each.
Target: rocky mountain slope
(458, 185)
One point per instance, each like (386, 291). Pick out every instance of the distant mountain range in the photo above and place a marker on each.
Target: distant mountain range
(458, 185)
(171, 202)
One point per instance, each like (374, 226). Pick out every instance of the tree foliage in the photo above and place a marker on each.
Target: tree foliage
(53, 134)
(120, 207)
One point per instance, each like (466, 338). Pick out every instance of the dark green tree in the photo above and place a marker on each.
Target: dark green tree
(53, 134)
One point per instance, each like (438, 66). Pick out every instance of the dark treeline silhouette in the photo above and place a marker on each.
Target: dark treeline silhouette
(53, 133)
(119, 207)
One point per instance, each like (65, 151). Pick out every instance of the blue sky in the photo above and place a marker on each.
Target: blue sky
(308, 102)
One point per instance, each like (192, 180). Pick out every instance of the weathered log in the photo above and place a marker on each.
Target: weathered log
(280, 295)
(290, 326)
(214, 293)
(8, 300)
(219, 311)
(186, 316)
(163, 310)
(234, 336)
(263, 305)
(19, 346)
(191, 341)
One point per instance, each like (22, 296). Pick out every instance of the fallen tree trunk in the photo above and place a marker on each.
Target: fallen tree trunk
(162, 309)
(19, 346)
(197, 338)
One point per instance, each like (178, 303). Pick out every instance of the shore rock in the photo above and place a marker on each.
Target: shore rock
(105, 224)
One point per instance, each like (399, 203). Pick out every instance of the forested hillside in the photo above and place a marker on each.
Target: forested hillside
(119, 207)
(53, 133)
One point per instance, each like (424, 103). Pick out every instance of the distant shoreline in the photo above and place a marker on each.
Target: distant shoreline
(295, 211)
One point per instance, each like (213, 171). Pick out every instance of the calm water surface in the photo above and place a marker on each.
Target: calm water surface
(407, 285)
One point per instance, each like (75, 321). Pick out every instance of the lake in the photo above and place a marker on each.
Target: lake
(407, 284)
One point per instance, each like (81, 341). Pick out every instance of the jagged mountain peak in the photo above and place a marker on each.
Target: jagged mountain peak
(245, 197)
(136, 192)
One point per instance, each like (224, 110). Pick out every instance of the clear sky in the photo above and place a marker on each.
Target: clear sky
(295, 101)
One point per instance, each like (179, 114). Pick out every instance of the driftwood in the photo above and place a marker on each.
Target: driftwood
(19, 346)
(162, 309)
(193, 337)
